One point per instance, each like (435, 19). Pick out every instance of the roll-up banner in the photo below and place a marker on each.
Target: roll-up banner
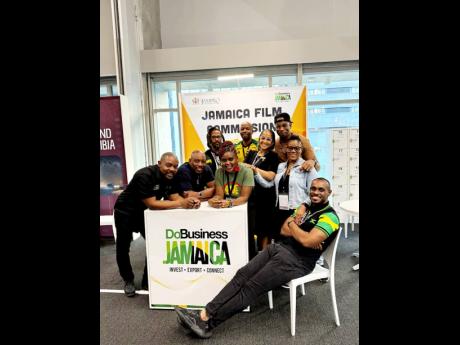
(113, 177)
(228, 109)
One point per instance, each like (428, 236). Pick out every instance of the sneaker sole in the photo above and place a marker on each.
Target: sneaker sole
(199, 332)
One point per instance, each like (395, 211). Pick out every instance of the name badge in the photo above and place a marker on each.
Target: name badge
(283, 200)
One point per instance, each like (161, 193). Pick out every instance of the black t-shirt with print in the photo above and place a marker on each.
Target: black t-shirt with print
(146, 182)
(324, 218)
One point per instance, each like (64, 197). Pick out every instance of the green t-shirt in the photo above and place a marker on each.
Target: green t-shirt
(244, 177)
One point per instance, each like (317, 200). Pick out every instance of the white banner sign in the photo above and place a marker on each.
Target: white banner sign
(192, 254)
(228, 109)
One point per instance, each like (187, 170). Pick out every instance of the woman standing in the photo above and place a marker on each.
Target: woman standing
(233, 181)
(261, 204)
(292, 185)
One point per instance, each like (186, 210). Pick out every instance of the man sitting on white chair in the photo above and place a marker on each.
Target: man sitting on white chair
(293, 257)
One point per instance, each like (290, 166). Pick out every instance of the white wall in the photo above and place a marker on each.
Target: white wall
(313, 50)
(207, 34)
(132, 101)
(106, 48)
(193, 23)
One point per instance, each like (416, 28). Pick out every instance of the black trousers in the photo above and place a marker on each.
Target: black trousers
(271, 268)
(125, 228)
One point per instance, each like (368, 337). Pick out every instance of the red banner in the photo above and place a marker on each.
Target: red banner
(113, 177)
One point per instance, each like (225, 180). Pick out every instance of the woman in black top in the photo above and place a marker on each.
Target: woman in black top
(261, 204)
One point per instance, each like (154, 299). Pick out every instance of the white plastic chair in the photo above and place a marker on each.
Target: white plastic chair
(318, 273)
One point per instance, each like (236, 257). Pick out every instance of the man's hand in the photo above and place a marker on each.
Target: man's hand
(190, 193)
(318, 247)
(307, 165)
(191, 202)
(300, 213)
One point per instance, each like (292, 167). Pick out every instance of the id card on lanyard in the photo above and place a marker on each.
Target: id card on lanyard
(283, 200)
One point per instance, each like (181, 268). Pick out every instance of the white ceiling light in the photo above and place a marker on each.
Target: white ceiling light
(236, 76)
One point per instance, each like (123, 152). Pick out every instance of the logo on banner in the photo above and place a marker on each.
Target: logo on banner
(194, 247)
(205, 101)
(282, 96)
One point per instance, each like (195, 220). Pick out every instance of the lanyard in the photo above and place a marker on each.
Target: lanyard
(309, 215)
(216, 159)
(257, 159)
(244, 152)
(230, 190)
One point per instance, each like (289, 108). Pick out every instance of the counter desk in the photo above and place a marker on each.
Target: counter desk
(193, 253)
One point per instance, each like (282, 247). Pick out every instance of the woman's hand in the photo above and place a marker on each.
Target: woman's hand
(214, 202)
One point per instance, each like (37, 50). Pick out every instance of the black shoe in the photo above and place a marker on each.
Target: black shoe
(192, 320)
(145, 286)
(180, 322)
(130, 289)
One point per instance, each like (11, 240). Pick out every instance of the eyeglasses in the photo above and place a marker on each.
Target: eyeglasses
(293, 149)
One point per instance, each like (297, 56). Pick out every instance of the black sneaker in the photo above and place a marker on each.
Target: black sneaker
(130, 289)
(180, 322)
(192, 320)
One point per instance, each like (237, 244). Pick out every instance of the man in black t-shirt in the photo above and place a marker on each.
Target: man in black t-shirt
(146, 189)
(196, 178)
(305, 239)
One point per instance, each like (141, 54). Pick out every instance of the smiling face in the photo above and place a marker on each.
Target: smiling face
(197, 162)
(266, 140)
(246, 131)
(168, 166)
(229, 161)
(283, 128)
(293, 150)
(319, 191)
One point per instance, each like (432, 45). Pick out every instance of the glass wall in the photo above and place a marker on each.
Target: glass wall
(333, 102)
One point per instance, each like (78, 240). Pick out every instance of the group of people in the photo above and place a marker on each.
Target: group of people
(290, 221)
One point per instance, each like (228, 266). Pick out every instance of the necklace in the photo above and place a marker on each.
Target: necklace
(258, 158)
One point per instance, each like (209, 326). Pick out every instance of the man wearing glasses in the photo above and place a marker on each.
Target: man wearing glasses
(283, 128)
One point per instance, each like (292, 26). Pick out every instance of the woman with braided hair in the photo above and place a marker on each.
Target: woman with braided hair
(233, 181)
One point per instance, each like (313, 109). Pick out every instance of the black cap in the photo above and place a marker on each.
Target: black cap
(282, 117)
